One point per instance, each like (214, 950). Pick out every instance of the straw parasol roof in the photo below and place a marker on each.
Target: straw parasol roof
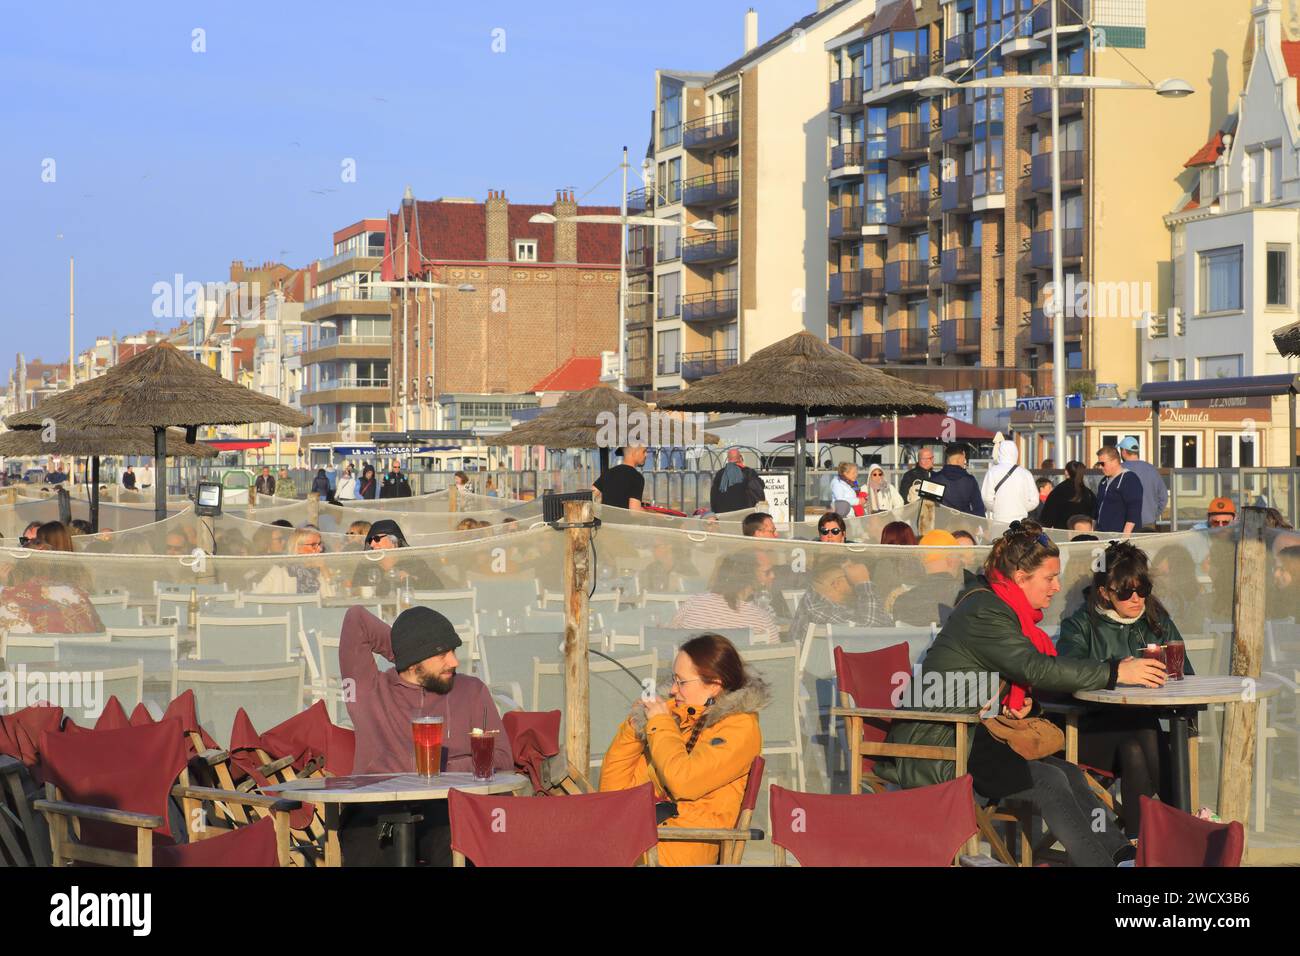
(804, 374)
(577, 420)
(158, 388)
(29, 442)
(1288, 339)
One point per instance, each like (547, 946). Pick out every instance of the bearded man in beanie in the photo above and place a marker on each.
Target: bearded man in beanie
(423, 681)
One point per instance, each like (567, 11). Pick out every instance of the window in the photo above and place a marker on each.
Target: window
(1256, 172)
(1158, 371)
(1180, 370)
(1276, 290)
(669, 295)
(1220, 366)
(1275, 173)
(1235, 451)
(1220, 280)
(525, 250)
(669, 352)
(670, 113)
(1179, 451)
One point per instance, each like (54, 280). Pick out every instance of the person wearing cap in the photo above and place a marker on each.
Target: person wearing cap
(423, 682)
(1119, 496)
(931, 598)
(1154, 493)
(391, 573)
(1221, 513)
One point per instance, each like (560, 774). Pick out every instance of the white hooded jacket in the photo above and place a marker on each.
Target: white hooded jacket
(1019, 493)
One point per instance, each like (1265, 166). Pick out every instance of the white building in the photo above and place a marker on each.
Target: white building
(1235, 236)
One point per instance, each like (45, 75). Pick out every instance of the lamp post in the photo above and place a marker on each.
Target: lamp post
(1056, 81)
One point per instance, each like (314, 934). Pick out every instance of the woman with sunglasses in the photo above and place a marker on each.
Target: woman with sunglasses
(1120, 617)
(696, 746)
(832, 529)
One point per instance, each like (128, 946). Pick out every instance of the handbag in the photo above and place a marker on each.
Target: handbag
(1031, 737)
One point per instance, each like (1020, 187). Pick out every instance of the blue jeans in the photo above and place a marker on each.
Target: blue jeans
(1090, 833)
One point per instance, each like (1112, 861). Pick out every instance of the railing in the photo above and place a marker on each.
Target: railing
(905, 344)
(959, 334)
(906, 207)
(1040, 178)
(710, 248)
(904, 69)
(846, 221)
(1071, 101)
(697, 365)
(1071, 14)
(961, 264)
(638, 312)
(907, 275)
(342, 257)
(868, 347)
(345, 340)
(710, 130)
(711, 188)
(670, 193)
(845, 287)
(710, 306)
(1041, 327)
(871, 279)
(336, 383)
(1040, 251)
(639, 200)
(848, 155)
(956, 193)
(958, 123)
(959, 48)
(846, 94)
(639, 260)
(906, 139)
(360, 294)
(668, 364)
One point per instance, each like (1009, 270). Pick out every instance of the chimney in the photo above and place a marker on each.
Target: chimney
(236, 270)
(566, 233)
(497, 214)
(751, 28)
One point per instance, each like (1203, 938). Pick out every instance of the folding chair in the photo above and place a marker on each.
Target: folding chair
(270, 693)
(732, 842)
(535, 745)
(118, 786)
(925, 826)
(588, 829)
(1171, 837)
(245, 641)
(781, 720)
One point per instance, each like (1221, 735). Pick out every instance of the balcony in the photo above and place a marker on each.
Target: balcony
(961, 265)
(907, 68)
(865, 348)
(669, 194)
(1040, 249)
(958, 123)
(710, 306)
(845, 287)
(906, 141)
(710, 132)
(1040, 102)
(711, 189)
(959, 335)
(846, 95)
(846, 221)
(1041, 327)
(847, 159)
(906, 275)
(956, 194)
(871, 280)
(353, 260)
(346, 391)
(639, 260)
(1073, 14)
(907, 208)
(639, 200)
(1017, 36)
(1040, 178)
(359, 301)
(639, 310)
(958, 51)
(718, 247)
(670, 364)
(343, 347)
(906, 345)
(698, 365)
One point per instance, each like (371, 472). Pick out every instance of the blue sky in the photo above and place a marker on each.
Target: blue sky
(168, 160)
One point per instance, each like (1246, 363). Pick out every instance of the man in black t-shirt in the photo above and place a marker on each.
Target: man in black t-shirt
(622, 486)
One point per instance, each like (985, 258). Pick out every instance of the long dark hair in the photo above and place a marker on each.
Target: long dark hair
(1127, 566)
(1075, 472)
(734, 574)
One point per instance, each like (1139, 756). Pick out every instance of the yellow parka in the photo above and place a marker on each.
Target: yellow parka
(708, 783)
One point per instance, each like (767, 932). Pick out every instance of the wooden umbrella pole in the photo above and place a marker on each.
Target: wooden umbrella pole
(159, 474)
(577, 577)
(800, 443)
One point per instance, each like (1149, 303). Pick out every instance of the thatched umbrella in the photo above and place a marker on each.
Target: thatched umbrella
(158, 388)
(93, 443)
(1288, 339)
(803, 376)
(582, 420)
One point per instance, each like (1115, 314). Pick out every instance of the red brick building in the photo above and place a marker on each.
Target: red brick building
(542, 293)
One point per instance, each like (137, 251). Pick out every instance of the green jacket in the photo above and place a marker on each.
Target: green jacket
(1092, 635)
(981, 643)
(285, 488)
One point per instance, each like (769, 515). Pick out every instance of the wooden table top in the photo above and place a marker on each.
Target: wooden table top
(1189, 690)
(394, 787)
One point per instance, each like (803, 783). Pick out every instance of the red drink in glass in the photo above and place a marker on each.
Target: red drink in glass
(426, 732)
(482, 748)
(1154, 652)
(1175, 657)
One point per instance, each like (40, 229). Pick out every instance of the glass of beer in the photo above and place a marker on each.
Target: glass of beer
(482, 747)
(1175, 658)
(426, 732)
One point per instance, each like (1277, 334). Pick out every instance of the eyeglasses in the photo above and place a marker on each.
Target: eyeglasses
(832, 531)
(1143, 591)
(678, 682)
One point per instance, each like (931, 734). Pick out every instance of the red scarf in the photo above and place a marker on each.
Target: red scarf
(1015, 598)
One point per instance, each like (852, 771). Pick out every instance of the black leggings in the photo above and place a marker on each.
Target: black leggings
(1132, 747)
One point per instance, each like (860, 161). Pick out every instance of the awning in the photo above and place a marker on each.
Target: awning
(1251, 386)
(237, 444)
(911, 428)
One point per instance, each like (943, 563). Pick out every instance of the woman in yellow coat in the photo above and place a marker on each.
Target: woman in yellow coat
(696, 746)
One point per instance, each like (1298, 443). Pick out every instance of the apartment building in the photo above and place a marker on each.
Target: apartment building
(940, 212)
(1233, 252)
(735, 167)
(518, 298)
(347, 350)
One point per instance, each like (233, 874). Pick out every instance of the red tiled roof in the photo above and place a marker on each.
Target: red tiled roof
(573, 376)
(1291, 54)
(1208, 154)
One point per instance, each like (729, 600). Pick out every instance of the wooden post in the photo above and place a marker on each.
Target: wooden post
(577, 577)
(1236, 768)
(453, 496)
(11, 496)
(925, 522)
(313, 508)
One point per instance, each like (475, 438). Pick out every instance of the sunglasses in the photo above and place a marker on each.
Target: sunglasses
(1142, 590)
(831, 530)
(1220, 522)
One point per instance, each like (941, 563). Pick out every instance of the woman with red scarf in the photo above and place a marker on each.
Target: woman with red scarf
(993, 642)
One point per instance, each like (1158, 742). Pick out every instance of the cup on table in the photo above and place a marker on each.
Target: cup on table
(1155, 652)
(1175, 659)
(426, 733)
(482, 747)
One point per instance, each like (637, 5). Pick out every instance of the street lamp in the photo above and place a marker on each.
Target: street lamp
(1172, 88)
(623, 220)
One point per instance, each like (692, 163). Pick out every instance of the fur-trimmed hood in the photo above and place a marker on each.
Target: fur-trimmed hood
(749, 699)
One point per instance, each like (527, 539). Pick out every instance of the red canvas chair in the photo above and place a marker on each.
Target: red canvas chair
(535, 744)
(182, 709)
(113, 716)
(926, 826)
(20, 733)
(734, 841)
(1171, 837)
(588, 829)
(117, 786)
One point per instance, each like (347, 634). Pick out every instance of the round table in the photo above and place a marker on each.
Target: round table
(1177, 700)
(331, 792)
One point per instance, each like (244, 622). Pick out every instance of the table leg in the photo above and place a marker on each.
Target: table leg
(333, 855)
(1180, 768)
(403, 825)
